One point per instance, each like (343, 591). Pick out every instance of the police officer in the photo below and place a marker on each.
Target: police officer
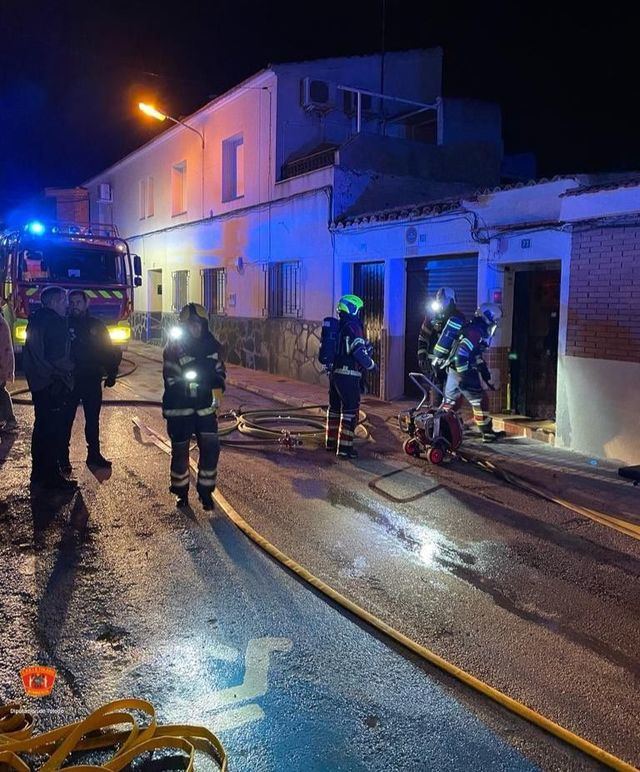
(467, 367)
(443, 309)
(194, 379)
(95, 357)
(49, 370)
(353, 356)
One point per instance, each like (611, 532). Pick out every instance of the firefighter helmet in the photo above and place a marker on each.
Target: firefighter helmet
(194, 311)
(445, 298)
(349, 304)
(490, 312)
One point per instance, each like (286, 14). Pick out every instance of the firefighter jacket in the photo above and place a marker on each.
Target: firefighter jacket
(473, 342)
(431, 330)
(449, 335)
(353, 354)
(192, 369)
(47, 353)
(7, 359)
(93, 353)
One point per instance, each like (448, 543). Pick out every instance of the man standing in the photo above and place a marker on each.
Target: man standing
(8, 421)
(352, 357)
(95, 357)
(49, 371)
(194, 379)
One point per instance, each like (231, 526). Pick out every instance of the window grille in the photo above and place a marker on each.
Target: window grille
(214, 290)
(284, 296)
(180, 289)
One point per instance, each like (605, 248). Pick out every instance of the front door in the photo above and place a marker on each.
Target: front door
(154, 305)
(368, 283)
(534, 350)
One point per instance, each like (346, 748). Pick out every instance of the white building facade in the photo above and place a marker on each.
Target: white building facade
(235, 212)
(562, 257)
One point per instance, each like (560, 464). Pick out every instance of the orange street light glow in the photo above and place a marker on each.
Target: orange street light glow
(149, 110)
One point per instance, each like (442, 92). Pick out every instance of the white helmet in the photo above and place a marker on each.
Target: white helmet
(490, 312)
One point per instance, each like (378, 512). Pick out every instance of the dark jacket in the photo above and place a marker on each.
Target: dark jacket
(468, 356)
(201, 357)
(93, 353)
(46, 357)
(353, 350)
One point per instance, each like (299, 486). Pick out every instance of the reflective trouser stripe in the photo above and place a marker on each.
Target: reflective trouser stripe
(331, 428)
(180, 464)
(177, 412)
(206, 410)
(347, 431)
(346, 371)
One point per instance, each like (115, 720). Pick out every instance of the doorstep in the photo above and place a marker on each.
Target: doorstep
(523, 426)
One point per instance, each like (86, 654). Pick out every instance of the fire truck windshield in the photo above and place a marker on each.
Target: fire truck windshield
(70, 264)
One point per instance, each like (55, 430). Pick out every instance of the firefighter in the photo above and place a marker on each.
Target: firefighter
(194, 379)
(95, 357)
(352, 356)
(8, 421)
(443, 309)
(467, 368)
(49, 370)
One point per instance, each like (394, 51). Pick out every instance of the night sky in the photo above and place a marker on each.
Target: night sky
(72, 73)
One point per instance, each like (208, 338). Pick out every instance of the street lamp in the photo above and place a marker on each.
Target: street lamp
(160, 116)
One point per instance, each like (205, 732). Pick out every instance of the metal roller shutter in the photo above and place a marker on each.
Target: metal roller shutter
(424, 277)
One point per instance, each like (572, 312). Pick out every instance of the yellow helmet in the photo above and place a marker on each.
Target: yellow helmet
(192, 310)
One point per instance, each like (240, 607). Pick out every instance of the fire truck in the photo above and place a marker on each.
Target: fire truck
(92, 258)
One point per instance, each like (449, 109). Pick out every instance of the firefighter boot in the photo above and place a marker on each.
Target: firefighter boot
(488, 432)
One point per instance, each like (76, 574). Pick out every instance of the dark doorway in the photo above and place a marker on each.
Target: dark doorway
(424, 277)
(368, 283)
(534, 348)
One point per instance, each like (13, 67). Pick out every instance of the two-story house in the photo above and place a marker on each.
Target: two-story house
(235, 213)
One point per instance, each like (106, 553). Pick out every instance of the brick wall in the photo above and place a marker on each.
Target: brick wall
(497, 361)
(604, 294)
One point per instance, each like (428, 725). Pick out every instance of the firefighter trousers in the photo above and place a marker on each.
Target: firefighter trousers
(342, 414)
(468, 385)
(181, 429)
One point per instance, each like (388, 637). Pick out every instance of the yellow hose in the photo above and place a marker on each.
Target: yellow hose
(16, 737)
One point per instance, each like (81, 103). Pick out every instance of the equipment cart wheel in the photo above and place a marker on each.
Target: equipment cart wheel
(411, 447)
(435, 455)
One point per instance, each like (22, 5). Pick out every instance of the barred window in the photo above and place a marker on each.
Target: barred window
(214, 289)
(284, 297)
(180, 289)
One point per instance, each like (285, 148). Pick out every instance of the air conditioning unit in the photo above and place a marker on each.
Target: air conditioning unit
(105, 194)
(317, 95)
(369, 105)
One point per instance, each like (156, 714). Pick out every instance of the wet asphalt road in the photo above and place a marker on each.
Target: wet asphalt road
(125, 596)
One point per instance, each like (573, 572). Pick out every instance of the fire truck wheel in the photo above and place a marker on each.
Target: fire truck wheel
(435, 455)
(411, 447)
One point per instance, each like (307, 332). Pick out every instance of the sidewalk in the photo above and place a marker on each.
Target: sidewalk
(586, 481)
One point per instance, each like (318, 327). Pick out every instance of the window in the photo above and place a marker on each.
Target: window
(283, 289)
(179, 188)
(214, 290)
(180, 289)
(142, 199)
(150, 199)
(233, 168)
(145, 198)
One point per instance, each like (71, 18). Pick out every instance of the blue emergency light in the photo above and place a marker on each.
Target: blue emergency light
(35, 228)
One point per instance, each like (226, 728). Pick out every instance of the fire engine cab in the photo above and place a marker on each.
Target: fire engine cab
(92, 258)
